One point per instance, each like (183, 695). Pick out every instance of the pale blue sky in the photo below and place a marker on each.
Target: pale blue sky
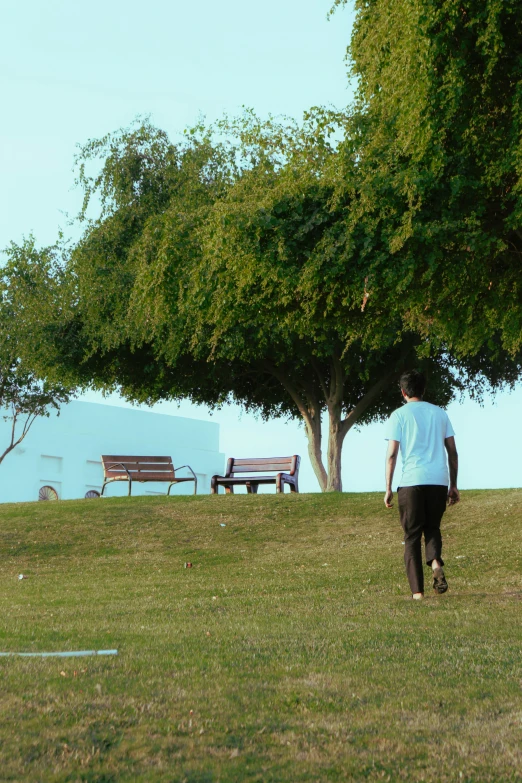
(74, 71)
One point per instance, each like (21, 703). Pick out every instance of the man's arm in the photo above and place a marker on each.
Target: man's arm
(453, 462)
(391, 461)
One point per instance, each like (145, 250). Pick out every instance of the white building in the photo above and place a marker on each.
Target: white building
(64, 451)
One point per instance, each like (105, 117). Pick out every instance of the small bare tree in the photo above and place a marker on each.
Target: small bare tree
(23, 399)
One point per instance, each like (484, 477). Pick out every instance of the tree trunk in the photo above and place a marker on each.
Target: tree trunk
(314, 437)
(14, 443)
(329, 479)
(336, 434)
(310, 410)
(338, 428)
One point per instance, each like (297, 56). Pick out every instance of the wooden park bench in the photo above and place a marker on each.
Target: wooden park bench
(118, 467)
(236, 468)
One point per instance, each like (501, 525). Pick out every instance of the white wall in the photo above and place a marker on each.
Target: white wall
(64, 451)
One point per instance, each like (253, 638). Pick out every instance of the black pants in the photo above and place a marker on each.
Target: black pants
(421, 509)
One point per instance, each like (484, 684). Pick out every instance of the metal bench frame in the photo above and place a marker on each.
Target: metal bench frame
(131, 468)
(277, 465)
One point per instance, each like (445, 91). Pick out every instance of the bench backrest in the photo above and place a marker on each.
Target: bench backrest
(263, 465)
(138, 467)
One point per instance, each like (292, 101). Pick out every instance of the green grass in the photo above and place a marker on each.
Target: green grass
(291, 651)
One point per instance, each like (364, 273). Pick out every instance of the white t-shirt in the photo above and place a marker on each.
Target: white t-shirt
(421, 429)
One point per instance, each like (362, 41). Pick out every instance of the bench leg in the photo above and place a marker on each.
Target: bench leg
(252, 487)
(172, 483)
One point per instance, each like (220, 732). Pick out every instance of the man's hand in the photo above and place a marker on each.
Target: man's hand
(391, 460)
(453, 496)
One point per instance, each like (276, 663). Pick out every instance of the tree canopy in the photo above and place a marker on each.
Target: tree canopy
(438, 126)
(221, 269)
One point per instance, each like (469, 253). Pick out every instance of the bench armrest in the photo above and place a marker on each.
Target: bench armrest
(116, 465)
(296, 460)
(188, 468)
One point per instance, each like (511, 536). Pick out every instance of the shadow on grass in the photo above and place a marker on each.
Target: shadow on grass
(452, 595)
(496, 596)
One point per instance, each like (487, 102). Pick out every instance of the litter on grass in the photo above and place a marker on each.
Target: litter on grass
(68, 654)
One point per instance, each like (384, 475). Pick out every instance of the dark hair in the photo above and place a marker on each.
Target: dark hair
(413, 383)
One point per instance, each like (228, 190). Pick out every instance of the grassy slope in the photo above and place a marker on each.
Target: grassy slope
(289, 652)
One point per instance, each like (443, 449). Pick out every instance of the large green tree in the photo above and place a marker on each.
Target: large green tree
(221, 269)
(438, 127)
(266, 264)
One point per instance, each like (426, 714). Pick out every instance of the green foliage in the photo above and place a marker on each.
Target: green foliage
(27, 315)
(220, 269)
(154, 196)
(235, 265)
(438, 126)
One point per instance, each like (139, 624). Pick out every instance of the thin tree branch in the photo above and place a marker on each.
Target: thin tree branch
(312, 399)
(6, 452)
(12, 444)
(31, 418)
(322, 382)
(14, 416)
(290, 388)
(365, 401)
(337, 383)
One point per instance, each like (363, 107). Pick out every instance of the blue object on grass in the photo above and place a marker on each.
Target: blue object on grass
(71, 654)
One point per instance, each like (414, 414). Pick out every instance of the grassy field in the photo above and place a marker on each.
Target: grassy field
(290, 651)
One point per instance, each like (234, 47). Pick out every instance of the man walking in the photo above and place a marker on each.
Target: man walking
(424, 434)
